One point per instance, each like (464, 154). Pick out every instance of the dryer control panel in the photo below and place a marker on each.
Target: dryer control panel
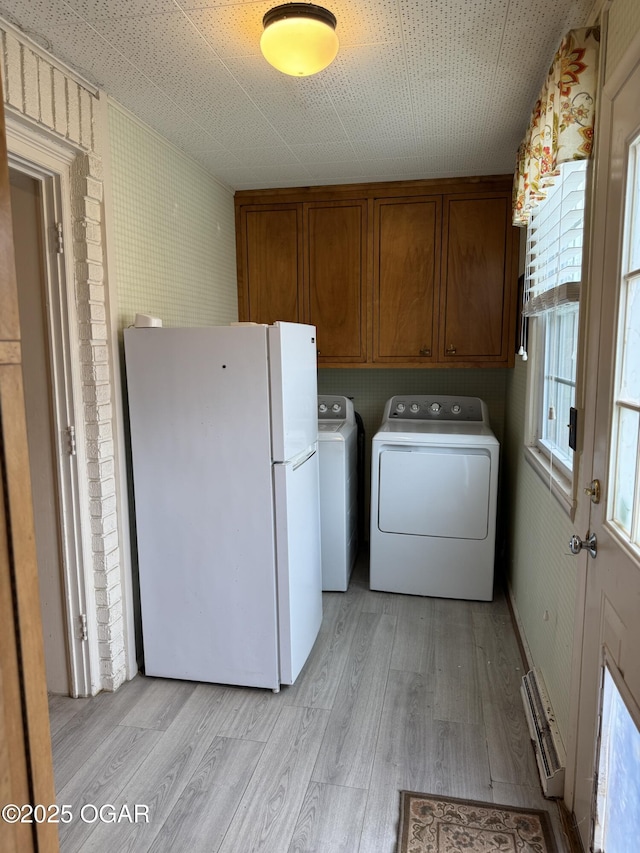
(423, 407)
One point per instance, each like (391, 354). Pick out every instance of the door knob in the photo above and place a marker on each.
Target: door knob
(590, 544)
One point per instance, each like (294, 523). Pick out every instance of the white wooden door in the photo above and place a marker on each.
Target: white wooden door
(610, 582)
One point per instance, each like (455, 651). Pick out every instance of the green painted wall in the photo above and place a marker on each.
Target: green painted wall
(540, 568)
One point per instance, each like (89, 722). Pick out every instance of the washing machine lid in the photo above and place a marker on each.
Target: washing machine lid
(335, 430)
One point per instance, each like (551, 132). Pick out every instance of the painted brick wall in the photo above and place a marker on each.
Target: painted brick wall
(61, 106)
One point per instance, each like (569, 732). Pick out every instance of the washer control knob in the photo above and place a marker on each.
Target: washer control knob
(415, 407)
(322, 407)
(400, 407)
(456, 409)
(434, 408)
(335, 407)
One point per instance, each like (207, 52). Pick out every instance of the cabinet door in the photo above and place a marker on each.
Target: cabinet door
(270, 263)
(478, 280)
(406, 278)
(335, 275)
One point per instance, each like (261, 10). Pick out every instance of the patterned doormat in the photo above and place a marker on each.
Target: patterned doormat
(430, 824)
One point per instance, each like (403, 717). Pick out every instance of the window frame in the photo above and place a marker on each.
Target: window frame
(562, 482)
(623, 403)
(546, 446)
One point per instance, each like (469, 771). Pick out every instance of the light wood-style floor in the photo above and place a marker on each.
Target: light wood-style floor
(400, 693)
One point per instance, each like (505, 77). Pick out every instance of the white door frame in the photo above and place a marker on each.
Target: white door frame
(48, 163)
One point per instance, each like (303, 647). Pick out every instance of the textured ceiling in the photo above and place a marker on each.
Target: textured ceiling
(420, 88)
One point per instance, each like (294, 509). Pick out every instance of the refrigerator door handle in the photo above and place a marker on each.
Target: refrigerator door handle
(302, 459)
(299, 569)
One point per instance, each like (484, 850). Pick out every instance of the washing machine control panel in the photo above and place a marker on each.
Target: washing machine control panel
(442, 408)
(334, 408)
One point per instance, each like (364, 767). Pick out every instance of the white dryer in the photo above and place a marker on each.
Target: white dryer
(337, 458)
(434, 483)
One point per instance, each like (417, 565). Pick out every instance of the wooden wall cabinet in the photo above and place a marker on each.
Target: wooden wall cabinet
(406, 274)
(478, 289)
(335, 278)
(307, 263)
(270, 257)
(420, 273)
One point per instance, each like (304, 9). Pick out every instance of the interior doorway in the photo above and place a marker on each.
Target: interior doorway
(48, 378)
(26, 208)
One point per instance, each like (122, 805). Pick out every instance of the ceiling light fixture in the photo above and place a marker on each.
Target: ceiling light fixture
(299, 38)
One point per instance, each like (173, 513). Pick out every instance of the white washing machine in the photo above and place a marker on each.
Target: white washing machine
(338, 460)
(434, 482)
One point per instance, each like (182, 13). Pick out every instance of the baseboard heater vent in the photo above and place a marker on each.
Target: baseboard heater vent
(547, 743)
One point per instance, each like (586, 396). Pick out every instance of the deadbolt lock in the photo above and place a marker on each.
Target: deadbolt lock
(593, 490)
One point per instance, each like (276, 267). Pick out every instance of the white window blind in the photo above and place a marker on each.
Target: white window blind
(554, 243)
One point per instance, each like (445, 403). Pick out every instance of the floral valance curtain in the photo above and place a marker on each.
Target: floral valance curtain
(562, 121)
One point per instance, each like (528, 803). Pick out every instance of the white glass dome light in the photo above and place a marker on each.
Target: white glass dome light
(299, 39)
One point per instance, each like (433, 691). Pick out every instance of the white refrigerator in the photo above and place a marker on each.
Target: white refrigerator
(223, 430)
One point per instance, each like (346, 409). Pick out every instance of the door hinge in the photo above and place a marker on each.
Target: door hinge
(82, 627)
(71, 438)
(59, 239)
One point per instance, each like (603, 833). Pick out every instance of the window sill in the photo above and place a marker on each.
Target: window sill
(560, 486)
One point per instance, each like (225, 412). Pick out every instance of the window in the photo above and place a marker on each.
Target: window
(558, 384)
(552, 291)
(624, 468)
(618, 780)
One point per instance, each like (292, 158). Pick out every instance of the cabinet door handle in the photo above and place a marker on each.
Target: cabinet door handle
(451, 350)
(425, 351)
